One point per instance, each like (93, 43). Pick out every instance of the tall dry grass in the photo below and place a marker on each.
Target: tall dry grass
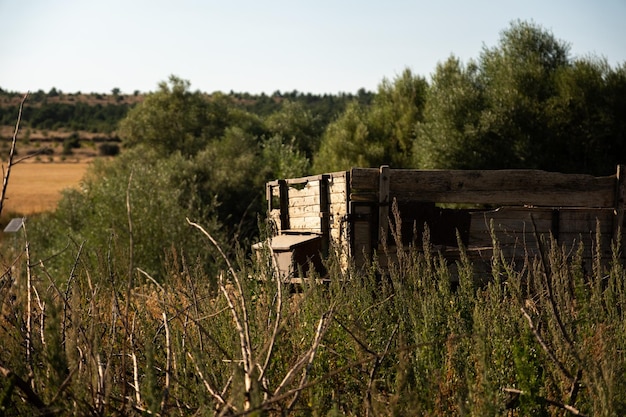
(543, 338)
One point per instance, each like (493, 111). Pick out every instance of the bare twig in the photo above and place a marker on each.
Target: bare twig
(277, 323)
(218, 397)
(304, 362)
(547, 276)
(244, 340)
(379, 360)
(548, 401)
(135, 375)
(64, 385)
(10, 163)
(545, 347)
(168, 363)
(28, 304)
(242, 322)
(322, 325)
(130, 276)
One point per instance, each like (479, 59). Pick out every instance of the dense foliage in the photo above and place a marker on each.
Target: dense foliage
(524, 103)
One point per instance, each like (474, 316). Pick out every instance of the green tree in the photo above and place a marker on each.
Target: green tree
(346, 143)
(587, 129)
(229, 172)
(450, 134)
(382, 133)
(519, 81)
(283, 160)
(396, 110)
(297, 125)
(173, 119)
(522, 104)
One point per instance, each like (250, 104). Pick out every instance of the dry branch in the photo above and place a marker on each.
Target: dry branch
(545, 347)
(242, 323)
(10, 163)
(31, 397)
(569, 408)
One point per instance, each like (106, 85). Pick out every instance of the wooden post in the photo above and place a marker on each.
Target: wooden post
(620, 196)
(325, 213)
(383, 203)
(284, 204)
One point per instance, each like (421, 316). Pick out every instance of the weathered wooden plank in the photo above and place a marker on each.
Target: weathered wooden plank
(620, 201)
(305, 214)
(512, 219)
(310, 200)
(303, 180)
(312, 224)
(484, 238)
(511, 226)
(364, 197)
(582, 221)
(309, 210)
(503, 187)
(311, 191)
(364, 179)
(383, 203)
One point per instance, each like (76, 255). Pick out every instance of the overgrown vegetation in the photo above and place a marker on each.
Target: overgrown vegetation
(109, 339)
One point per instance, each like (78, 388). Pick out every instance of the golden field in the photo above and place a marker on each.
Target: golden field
(35, 187)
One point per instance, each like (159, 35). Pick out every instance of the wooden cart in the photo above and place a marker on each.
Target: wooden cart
(353, 211)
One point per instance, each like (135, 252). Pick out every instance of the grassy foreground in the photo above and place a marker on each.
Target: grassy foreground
(545, 338)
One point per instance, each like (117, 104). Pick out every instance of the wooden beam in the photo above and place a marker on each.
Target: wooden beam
(383, 203)
(620, 196)
(503, 187)
(284, 204)
(324, 212)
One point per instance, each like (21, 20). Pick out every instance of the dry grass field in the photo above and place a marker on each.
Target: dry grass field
(35, 187)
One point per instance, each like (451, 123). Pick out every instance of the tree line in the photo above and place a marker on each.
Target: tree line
(524, 103)
(101, 113)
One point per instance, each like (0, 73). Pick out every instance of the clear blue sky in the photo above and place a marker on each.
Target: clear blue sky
(317, 46)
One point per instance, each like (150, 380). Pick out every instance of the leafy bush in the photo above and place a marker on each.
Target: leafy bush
(133, 207)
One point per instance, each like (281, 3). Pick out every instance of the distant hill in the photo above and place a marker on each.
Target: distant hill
(59, 114)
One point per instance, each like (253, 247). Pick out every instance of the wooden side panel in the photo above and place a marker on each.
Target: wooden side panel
(534, 205)
(338, 201)
(304, 206)
(362, 233)
(519, 228)
(503, 187)
(511, 226)
(364, 179)
(494, 187)
(338, 207)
